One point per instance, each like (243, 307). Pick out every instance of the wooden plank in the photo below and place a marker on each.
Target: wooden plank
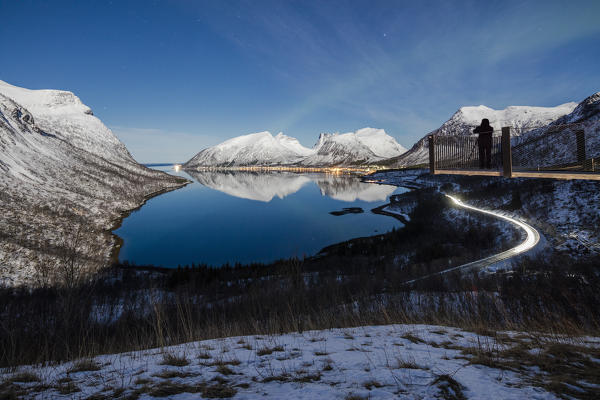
(557, 175)
(521, 174)
(473, 172)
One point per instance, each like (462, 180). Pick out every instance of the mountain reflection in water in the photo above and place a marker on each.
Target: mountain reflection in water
(230, 217)
(263, 186)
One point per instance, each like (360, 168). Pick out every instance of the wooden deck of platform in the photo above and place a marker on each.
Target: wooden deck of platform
(472, 172)
(522, 174)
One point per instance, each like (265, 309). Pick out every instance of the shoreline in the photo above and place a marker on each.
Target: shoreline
(116, 223)
(379, 210)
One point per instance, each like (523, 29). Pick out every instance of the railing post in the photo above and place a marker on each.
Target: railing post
(581, 156)
(432, 155)
(506, 153)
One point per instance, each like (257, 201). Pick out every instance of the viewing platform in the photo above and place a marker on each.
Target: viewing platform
(560, 152)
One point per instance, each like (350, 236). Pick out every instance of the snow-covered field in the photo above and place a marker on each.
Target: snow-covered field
(373, 362)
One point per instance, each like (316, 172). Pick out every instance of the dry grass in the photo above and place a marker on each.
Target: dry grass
(355, 397)
(449, 387)
(372, 384)
(225, 370)
(67, 388)
(407, 364)
(306, 378)
(142, 381)
(269, 350)
(284, 377)
(412, 338)
(24, 377)
(170, 374)
(174, 360)
(84, 366)
(213, 390)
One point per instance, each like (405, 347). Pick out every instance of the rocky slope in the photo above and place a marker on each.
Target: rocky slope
(520, 118)
(364, 146)
(65, 179)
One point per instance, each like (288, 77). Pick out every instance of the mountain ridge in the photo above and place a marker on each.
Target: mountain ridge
(366, 145)
(65, 179)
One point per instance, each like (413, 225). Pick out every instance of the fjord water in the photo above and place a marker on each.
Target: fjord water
(229, 217)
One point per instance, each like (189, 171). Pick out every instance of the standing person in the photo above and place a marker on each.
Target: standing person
(485, 143)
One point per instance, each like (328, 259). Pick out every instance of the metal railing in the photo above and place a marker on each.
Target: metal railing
(568, 149)
(463, 152)
(560, 148)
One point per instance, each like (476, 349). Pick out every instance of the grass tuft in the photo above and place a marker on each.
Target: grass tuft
(24, 377)
(372, 384)
(268, 350)
(84, 366)
(174, 360)
(412, 338)
(450, 388)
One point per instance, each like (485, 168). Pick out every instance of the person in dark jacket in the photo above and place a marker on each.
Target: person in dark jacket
(485, 143)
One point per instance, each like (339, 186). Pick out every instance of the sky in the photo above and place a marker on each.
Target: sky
(173, 77)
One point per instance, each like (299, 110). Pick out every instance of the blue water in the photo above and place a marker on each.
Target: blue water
(251, 217)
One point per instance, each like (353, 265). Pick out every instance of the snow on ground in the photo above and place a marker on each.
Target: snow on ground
(374, 362)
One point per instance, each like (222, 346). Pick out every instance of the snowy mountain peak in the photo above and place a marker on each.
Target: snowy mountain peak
(363, 146)
(45, 101)
(379, 142)
(253, 149)
(62, 114)
(519, 117)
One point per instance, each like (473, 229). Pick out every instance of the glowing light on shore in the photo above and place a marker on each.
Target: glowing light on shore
(177, 167)
(327, 170)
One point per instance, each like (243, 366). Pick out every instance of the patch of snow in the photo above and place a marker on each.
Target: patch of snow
(376, 362)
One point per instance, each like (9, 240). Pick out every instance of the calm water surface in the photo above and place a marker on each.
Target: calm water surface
(229, 217)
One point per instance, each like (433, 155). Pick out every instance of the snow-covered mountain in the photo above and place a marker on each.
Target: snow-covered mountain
(64, 181)
(587, 112)
(364, 146)
(520, 118)
(255, 149)
(262, 149)
(556, 144)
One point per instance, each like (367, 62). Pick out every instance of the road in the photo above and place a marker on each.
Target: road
(532, 238)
